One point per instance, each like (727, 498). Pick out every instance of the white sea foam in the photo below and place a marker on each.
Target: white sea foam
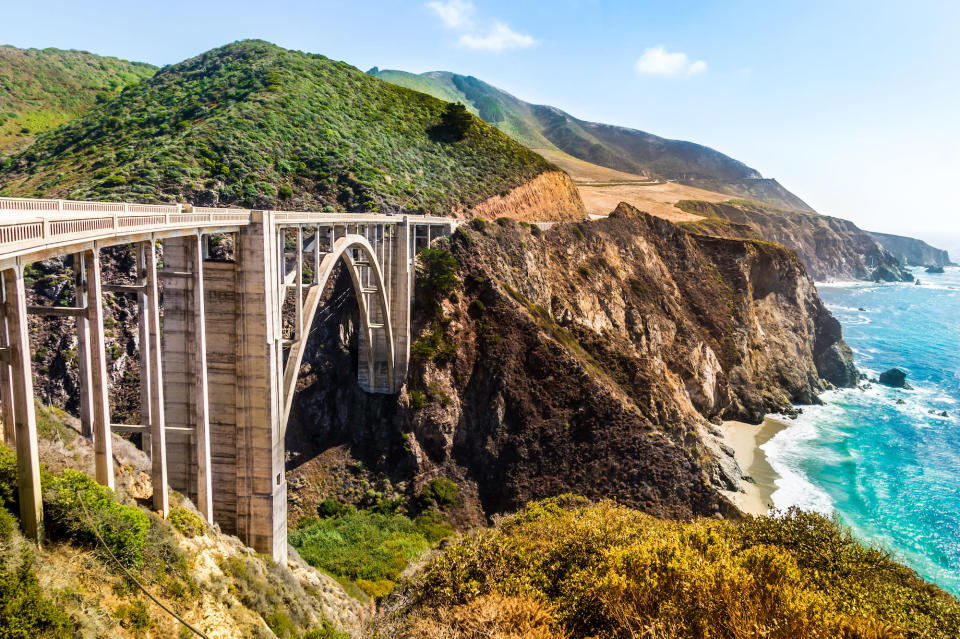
(794, 488)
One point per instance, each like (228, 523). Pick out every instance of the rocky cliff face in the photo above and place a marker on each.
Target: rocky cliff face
(911, 251)
(831, 248)
(585, 359)
(549, 196)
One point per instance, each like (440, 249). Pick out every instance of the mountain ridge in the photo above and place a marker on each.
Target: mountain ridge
(612, 146)
(253, 124)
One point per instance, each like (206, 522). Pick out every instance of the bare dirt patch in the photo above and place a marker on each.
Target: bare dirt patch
(602, 189)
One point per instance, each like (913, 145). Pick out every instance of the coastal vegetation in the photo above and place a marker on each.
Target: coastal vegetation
(40, 89)
(568, 568)
(252, 124)
(367, 549)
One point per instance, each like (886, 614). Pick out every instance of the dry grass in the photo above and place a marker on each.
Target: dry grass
(492, 616)
(602, 189)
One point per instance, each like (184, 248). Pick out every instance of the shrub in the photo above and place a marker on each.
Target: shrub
(490, 617)
(437, 276)
(330, 507)
(610, 571)
(441, 491)
(123, 528)
(8, 478)
(285, 192)
(370, 549)
(8, 523)
(431, 345)
(186, 522)
(24, 612)
(135, 615)
(325, 631)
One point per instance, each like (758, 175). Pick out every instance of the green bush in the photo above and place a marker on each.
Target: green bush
(8, 478)
(331, 507)
(123, 528)
(24, 611)
(186, 522)
(370, 549)
(8, 523)
(135, 615)
(437, 273)
(441, 491)
(432, 346)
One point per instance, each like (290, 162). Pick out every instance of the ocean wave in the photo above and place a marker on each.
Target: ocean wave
(784, 453)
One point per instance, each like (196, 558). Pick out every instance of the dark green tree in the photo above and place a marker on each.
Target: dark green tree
(456, 120)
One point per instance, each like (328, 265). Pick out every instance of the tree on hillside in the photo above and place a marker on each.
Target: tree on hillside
(456, 120)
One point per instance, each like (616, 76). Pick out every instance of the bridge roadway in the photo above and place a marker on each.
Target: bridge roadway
(219, 361)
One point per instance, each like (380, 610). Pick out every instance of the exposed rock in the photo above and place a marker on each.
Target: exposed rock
(591, 364)
(894, 377)
(831, 248)
(549, 196)
(884, 273)
(935, 269)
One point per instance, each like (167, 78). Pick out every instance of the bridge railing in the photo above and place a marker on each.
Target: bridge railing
(27, 224)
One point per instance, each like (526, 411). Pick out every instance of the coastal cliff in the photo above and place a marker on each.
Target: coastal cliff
(911, 251)
(584, 359)
(831, 248)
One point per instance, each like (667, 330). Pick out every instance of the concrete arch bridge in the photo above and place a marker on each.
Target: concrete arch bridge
(218, 372)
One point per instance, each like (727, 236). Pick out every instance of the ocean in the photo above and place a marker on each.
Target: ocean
(885, 460)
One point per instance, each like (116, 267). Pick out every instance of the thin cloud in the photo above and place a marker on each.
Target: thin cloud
(455, 14)
(657, 61)
(500, 38)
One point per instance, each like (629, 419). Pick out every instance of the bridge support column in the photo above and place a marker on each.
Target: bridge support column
(146, 371)
(158, 436)
(261, 482)
(185, 373)
(400, 292)
(6, 383)
(83, 347)
(99, 382)
(18, 359)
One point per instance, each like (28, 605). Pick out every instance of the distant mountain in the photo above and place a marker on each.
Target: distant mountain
(913, 252)
(41, 89)
(614, 147)
(256, 125)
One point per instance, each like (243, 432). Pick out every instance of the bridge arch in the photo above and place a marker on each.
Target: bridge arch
(344, 249)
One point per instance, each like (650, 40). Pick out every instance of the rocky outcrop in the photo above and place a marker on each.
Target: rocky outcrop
(549, 196)
(831, 248)
(911, 251)
(588, 359)
(894, 377)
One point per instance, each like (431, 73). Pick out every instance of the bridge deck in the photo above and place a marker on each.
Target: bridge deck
(37, 229)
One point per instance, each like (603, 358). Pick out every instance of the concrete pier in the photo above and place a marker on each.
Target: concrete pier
(219, 360)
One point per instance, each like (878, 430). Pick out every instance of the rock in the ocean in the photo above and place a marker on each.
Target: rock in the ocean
(894, 377)
(934, 268)
(901, 402)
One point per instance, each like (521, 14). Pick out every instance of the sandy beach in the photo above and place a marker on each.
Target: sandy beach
(746, 440)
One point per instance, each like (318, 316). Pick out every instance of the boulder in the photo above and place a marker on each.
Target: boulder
(935, 268)
(894, 377)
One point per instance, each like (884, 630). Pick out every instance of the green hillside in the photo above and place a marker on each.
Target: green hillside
(256, 125)
(41, 89)
(615, 147)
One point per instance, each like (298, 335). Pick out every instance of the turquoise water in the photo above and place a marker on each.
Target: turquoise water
(890, 471)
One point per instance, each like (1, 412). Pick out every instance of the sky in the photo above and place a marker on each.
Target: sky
(852, 105)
